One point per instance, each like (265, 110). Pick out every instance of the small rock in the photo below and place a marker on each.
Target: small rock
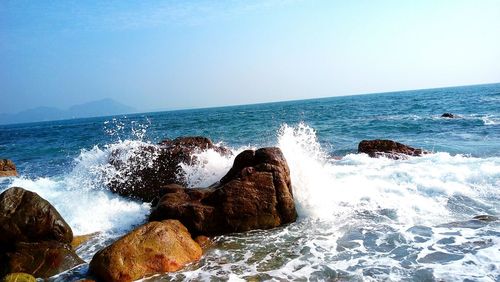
(449, 115)
(81, 239)
(7, 168)
(152, 248)
(388, 148)
(18, 277)
(486, 218)
(204, 241)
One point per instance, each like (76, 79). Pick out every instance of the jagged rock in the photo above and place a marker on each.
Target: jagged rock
(152, 248)
(153, 166)
(18, 277)
(42, 259)
(7, 168)
(449, 115)
(27, 217)
(387, 148)
(256, 193)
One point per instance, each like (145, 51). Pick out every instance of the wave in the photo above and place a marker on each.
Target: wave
(358, 216)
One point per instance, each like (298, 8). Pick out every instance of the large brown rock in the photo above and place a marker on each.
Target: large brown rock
(387, 148)
(153, 248)
(142, 173)
(27, 217)
(42, 259)
(256, 193)
(7, 168)
(34, 238)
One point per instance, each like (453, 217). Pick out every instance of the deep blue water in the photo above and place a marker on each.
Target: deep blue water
(411, 117)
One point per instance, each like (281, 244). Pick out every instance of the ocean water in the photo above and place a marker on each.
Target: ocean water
(360, 219)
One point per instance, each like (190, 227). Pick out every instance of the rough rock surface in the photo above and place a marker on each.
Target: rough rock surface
(7, 168)
(388, 148)
(155, 247)
(27, 217)
(42, 259)
(256, 193)
(34, 238)
(153, 166)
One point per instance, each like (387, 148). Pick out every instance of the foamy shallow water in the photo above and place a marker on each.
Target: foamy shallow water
(360, 219)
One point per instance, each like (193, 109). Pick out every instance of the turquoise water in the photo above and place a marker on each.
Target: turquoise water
(360, 218)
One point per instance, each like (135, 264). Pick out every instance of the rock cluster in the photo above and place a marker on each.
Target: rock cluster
(256, 193)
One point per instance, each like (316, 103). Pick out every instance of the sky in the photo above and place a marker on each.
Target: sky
(155, 55)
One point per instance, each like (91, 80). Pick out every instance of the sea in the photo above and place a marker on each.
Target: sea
(360, 218)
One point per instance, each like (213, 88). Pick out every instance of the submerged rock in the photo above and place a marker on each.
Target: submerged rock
(152, 248)
(486, 218)
(153, 166)
(256, 193)
(42, 259)
(387, 148)
(7, 168)
(449, 115)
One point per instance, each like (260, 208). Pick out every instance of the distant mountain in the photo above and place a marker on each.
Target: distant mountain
(104, 107)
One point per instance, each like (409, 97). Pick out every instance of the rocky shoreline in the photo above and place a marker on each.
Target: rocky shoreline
(256, 193)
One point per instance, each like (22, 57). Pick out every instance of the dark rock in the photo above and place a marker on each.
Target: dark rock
(27, 217)
(7, 168)
(256, 193)
(449, 115)
(42, 259)
(153, 166)
(155, 247)
(388, 148)
(485, 218)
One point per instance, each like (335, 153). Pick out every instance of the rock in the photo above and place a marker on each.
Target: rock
(449, 115)
(18, 277)
(152, 248)
(256, 193)
(7, 168)
(204, 241)
(485, 218)
(82, 239)
(388, 148)
(153, 166)
(27, 217)
(42, 259)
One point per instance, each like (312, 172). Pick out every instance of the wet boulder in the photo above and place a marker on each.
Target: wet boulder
(34, 238)
(256, 193)
(141, 173)
(388, 148)
(27, 217)
(42, 259)
(7, 168)
(152, 248)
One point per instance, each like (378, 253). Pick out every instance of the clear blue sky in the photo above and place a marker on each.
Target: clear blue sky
(182, 54)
